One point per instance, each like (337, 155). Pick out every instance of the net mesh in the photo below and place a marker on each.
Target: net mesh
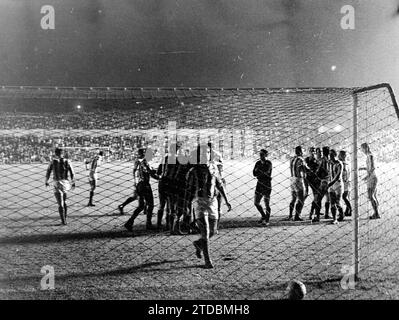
(95, 257)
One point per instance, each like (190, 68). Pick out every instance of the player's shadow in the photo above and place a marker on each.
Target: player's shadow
(39, 226)
(27, 219)
(231, 223)
(68, 236)
(140, 231)
(48, 221)
(96, 215)
(148, 267)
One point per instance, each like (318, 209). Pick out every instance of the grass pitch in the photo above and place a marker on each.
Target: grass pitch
(95, 258)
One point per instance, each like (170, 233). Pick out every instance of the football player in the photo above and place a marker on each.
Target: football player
(346, 178)
(371, 179)
(311, 179)
(61, 168)
(322, 174)
(141, 180)
(93, 177)
(297, 169)
(202, 185)
(335, 187)
(263, 172)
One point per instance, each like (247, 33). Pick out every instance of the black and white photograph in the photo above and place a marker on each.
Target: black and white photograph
(212, 151)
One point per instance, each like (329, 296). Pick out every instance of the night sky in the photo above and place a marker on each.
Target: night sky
(220, 43)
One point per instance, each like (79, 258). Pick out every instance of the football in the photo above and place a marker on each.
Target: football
(296, 290)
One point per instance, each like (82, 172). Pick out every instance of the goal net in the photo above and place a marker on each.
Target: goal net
(254, 261)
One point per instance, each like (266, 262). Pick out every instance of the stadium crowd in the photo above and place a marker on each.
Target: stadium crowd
(31, 137)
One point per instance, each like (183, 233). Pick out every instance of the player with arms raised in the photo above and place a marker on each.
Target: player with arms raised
(61, 168)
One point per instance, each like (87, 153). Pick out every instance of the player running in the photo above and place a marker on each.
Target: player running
(93, 177)
(60, 168)
(346, 178)
(202, 186)
(297, 168)
(263, 172)
(311, 179)
(371, 179)
(335, 186)
(141, 180)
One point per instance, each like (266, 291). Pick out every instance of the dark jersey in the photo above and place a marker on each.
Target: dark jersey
(323, 170)
(311, 168)
(263, 170)
(168, 171)
(60, 168)
(181, 173)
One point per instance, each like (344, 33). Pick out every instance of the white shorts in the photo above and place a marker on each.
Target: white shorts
(347, 186)
(62, 186)
(93, 176)
(337, 188)
(297, 185)
(205, 207)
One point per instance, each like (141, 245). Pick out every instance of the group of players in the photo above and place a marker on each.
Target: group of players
(323, 171)
(191, 186)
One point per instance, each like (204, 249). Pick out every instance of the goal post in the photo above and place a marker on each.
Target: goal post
(371, 116)
(355, 212)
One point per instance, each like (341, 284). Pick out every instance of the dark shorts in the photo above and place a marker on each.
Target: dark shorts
(314, 183)
(180, 188)
(168, 186)
(143, 188)
(264, 188)
(93, 184)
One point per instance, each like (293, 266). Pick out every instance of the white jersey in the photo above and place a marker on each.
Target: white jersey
(371, 175)
(335, 174)
(370, 164)
(94, 164)
(346, 175)
(215, 158)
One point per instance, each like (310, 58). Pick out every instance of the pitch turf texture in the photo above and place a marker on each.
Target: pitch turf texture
(95, 258)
